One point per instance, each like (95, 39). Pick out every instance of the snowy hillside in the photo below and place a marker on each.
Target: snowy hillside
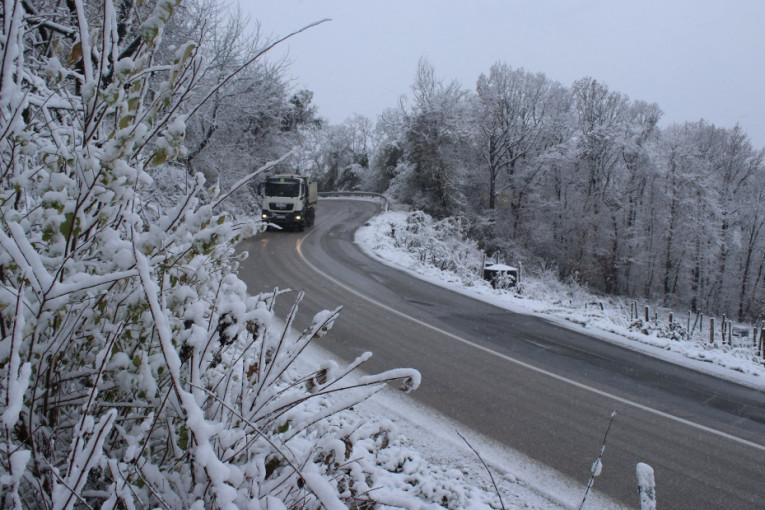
(568, 304)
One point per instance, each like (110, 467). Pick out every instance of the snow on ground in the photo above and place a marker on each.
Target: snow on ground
(438, 462)
(572, 307)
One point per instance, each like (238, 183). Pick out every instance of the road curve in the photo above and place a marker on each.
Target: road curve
(534, 386)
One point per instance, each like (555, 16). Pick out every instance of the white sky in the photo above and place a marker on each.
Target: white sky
(695, 58)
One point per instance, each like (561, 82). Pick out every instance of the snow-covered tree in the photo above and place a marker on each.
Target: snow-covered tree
(252, 115)
(338, 155)
(435, 143)
(586, 180)
(516, 110)
(135, 370)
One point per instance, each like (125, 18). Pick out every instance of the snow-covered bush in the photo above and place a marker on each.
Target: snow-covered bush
(504, 280)
(135, 371)
(442, 244)
(660, 329)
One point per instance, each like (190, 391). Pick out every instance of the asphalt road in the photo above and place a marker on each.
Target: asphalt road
(534, 386)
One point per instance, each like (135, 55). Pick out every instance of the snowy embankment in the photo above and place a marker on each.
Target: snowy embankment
(542, 295)
(431, 462)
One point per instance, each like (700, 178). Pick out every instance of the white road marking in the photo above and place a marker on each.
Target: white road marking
(523, 364)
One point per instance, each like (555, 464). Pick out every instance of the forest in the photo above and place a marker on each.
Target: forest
(579, 178)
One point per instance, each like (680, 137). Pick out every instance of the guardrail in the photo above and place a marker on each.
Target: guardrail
(355, 194)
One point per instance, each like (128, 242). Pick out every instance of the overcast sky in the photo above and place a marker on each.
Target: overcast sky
(695, 58)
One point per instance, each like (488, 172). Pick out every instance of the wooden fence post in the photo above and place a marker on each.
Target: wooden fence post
(712, 330)
(647, 314)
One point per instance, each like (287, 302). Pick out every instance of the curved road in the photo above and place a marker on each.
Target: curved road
(534, 386)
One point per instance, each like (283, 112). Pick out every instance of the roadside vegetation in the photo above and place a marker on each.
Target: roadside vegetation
(441, 251)
(135, 371)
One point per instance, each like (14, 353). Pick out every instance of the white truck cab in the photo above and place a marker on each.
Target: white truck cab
(289, 201)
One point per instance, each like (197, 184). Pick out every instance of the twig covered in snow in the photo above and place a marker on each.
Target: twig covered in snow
(493, 482)
(597, 466)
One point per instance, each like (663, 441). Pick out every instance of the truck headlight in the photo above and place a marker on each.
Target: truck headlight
(297, 216)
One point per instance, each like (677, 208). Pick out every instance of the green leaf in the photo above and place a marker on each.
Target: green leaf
(125, 121)
(190, 47)
(47, 233)
(66, 226)
(183, 438)
(149, 32)
(160, 157)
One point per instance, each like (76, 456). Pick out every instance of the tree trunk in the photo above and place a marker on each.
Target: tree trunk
(673, 203)
(751, 245)
(492, 172)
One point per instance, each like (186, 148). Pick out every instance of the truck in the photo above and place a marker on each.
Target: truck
(289, 201)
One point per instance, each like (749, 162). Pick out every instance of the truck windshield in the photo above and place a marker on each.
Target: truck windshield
(282, 188)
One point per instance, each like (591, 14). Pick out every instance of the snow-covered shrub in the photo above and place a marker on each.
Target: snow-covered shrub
(135, 371)
(368, 464)
(443, 244)
(503, 280)
(660, 329)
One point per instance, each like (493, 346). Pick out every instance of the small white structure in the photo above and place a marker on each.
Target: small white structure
(501, 275)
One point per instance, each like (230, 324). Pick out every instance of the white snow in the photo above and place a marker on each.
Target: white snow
(570, 307)
(500, 267)
(436, 460)
(646, 486)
